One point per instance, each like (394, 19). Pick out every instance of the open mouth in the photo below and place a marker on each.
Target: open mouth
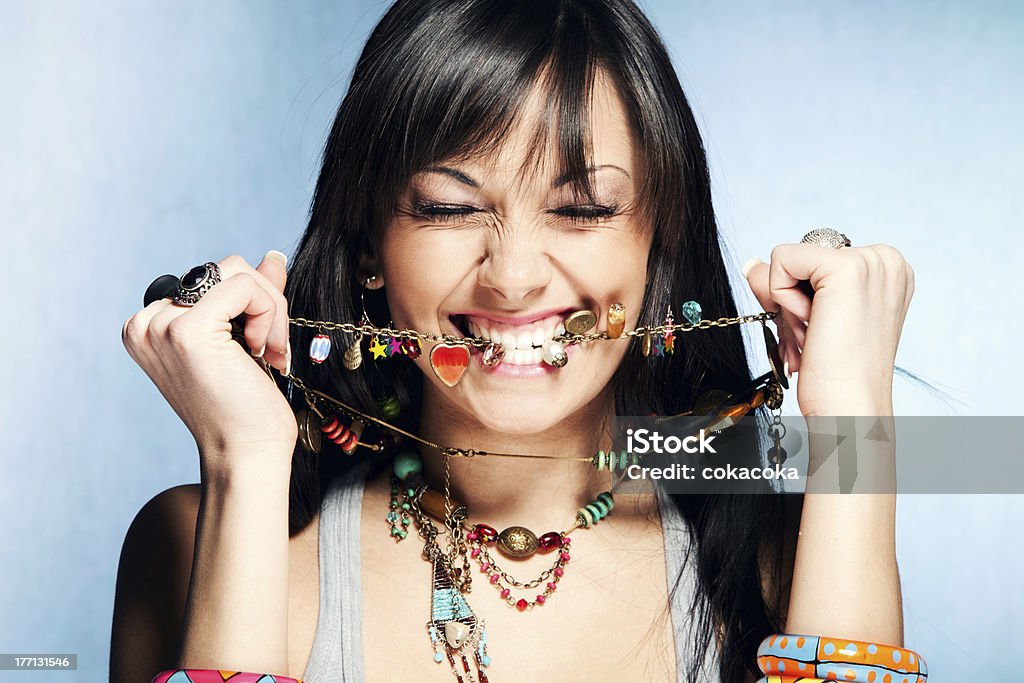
(522, 342)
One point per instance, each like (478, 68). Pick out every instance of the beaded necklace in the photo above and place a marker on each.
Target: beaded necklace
(456, 634)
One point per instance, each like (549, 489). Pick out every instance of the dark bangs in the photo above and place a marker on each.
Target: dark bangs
(453, 78)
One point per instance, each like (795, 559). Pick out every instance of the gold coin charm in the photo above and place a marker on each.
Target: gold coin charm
(310, 435)
(580, 322)
(616, 320)
(517, 541)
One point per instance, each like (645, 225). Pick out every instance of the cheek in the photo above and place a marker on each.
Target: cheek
(421, 268)
(614, 270)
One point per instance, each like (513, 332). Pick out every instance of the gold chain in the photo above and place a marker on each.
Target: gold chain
(374, 331)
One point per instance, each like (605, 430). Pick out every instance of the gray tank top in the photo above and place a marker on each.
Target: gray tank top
(337, 655)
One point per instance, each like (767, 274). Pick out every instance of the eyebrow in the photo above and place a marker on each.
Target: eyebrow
(561, 180)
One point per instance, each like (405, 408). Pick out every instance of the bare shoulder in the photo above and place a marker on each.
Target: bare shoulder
(152, 584)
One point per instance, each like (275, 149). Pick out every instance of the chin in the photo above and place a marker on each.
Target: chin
(515, 417)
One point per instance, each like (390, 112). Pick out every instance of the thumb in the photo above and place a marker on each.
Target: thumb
(273, 267)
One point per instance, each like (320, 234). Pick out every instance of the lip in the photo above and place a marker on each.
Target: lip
(513, 320)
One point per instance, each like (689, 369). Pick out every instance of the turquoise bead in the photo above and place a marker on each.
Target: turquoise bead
(438, 657)
(607, 499)
(595, 512)
(599, 504)
(407, 463)
(692, 312)
(485, 660)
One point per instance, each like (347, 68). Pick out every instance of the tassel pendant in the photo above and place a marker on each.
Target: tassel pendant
(455, 632)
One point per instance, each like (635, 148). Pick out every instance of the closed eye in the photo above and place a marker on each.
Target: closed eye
(577, 213)
(442, 212)
(585, 212)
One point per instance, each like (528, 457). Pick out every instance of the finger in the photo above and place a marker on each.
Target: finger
(135, 330)
(237, 295)
(791, 266)
(756, 272)
(273, 267)
(791, 329)
(271, 275)
(796, 330)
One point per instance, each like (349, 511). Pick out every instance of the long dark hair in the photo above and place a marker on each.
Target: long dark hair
(439, 79)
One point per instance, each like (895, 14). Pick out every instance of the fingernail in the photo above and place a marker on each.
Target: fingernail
(288, 359)
(259, 354)
(785, 369)
(751, 262)
(274, 253)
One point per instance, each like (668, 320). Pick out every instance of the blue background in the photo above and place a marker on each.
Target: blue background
(140, 138)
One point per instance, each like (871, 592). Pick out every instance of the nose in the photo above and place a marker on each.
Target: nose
(515, 266)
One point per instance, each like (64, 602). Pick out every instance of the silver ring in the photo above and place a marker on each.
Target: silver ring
(826, 237)
(195, 283)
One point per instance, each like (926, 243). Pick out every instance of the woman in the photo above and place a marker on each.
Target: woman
(493, 168)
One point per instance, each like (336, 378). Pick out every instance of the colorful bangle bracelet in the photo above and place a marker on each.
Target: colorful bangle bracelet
(784, 658)
(218, 676)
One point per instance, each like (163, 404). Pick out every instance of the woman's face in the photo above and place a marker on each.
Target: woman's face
(500, 248)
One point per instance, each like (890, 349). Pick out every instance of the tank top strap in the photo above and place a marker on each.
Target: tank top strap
(337, 653)
(679, 557)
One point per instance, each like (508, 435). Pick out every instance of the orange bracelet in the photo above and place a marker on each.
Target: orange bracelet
(787, 658)
(218, 676)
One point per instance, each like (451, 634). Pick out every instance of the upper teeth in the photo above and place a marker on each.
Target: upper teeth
(519, 337)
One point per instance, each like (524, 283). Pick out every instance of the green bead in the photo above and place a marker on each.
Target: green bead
(402, 533)
(389, 407)
(622, 460)
(595, 512)
(411, 492)
(600, 460)
(406, 506)
(607, 499)
(407, 463)
(395, 530)
(600, 506)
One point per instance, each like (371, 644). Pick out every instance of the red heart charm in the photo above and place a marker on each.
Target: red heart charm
(449, 362)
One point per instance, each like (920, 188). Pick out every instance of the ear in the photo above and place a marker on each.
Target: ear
(369, 271)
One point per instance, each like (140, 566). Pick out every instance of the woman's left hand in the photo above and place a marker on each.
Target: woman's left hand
(841, 331)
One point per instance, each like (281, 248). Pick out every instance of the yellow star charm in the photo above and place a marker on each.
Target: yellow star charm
(378, 349)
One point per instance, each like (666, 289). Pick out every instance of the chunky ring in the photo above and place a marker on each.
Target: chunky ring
(163, 287)
(195, 283)
(826, 237)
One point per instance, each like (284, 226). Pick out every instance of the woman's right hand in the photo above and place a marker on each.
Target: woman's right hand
(233, 409)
